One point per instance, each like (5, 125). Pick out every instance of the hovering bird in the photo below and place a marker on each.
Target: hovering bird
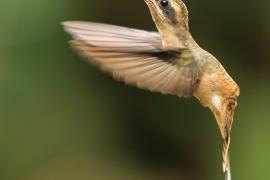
(168, 61)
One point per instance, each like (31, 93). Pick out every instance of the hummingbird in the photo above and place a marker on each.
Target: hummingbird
(168, 61)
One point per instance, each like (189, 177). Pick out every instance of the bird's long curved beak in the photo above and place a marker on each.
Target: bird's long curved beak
(221, 121)
(224, 117)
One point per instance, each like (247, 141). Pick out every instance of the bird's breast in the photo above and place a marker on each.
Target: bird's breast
(215, 82)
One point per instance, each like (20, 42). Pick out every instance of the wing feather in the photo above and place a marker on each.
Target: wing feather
(135, 57)
(114, 37)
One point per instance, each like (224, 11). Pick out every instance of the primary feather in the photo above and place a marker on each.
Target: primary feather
(136, 57)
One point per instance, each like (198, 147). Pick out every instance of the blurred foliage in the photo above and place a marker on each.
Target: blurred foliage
(62, 119)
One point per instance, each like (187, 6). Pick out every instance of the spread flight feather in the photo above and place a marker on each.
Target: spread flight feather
(135, 57)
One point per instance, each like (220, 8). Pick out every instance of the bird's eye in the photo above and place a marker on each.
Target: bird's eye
(163, 3)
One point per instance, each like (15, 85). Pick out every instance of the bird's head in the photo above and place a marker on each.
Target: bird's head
(171, 19)
(223, 107)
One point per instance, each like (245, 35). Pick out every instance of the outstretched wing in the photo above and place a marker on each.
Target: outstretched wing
(114, 38)
(136, 57)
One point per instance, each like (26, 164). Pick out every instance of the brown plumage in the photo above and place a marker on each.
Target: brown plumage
(168, 61)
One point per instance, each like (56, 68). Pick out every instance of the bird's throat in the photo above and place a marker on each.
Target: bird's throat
(175, 36)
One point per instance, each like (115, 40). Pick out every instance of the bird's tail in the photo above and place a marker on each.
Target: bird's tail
(226, 159)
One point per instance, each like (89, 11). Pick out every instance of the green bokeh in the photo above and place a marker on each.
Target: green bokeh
(62, 119)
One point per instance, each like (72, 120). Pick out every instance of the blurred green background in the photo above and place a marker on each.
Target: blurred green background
(61, 119)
